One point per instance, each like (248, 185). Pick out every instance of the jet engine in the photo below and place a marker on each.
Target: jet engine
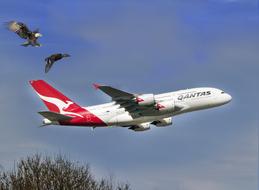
(145, 100)
(163, 122)
(140, 127)
(166, 106)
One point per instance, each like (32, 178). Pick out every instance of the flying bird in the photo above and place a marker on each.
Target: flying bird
(23, 32)
(52, 59)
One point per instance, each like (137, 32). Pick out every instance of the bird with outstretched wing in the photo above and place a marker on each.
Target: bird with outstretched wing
(23, 32)
(52, 59)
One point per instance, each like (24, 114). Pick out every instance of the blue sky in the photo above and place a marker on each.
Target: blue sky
(139, 46)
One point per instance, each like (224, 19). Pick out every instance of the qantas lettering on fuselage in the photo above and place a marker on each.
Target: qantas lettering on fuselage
(193, 95)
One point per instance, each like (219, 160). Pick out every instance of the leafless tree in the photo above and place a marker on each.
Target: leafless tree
(45, 173)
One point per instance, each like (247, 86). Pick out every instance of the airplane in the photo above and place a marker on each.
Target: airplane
(133, 111)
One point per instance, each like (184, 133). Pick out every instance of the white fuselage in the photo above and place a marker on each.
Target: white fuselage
(185, 100)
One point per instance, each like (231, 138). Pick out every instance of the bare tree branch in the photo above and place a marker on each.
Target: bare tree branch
(44, 173)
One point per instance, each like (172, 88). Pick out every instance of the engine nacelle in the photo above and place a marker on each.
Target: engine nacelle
(140, 127)
(163, 122)
(145, 100)
(166, 106)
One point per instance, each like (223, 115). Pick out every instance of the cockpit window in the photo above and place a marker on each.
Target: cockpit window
(222, 92)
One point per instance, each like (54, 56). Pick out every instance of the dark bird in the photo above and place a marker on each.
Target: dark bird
(23, 31)
(52, 59)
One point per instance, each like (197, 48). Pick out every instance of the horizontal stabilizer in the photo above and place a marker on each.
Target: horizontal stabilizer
(53, 116)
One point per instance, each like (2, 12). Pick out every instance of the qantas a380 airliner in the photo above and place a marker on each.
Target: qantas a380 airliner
(134, 111)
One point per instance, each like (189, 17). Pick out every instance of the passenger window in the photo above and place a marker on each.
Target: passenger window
(222, 92)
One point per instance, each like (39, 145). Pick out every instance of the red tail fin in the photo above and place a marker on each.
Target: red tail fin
(53, 99)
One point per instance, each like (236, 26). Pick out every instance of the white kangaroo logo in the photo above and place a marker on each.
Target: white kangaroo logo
(60, 104)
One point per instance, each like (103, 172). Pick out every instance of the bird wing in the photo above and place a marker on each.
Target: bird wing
(49, 64)
(19, 28)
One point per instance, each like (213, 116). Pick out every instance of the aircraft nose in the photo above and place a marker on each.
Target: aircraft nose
(228, 98)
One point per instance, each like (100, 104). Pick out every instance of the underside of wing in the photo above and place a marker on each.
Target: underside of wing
(48, 65)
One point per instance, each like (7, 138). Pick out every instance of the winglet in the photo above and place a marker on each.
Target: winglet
(96, 86)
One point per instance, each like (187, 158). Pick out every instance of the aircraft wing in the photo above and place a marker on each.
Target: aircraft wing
(124, 99)
(114, 93)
